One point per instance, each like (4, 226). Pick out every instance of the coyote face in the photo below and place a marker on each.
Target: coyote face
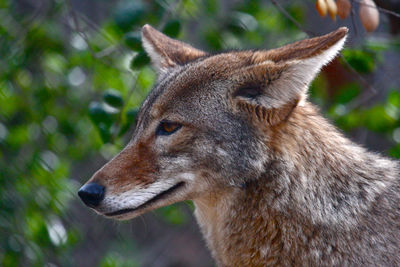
(208, 124)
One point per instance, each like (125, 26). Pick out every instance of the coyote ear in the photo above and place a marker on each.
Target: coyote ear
(283, 75)
(166, 52)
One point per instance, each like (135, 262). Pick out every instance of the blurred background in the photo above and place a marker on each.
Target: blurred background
(73, 74)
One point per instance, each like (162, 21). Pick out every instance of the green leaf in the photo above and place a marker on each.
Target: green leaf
(113, 98)
(105, 132)
(146, 79)
(213, 38)
(134, 41)
(128, 14)
(361, 61)
(378, 120)
(100, 113)
(131, 114)
(395, 151)
(346, 121)
(394, 98)
(211, 7)
(242, 22)
(139, 61)
(172, 214)
(172, 28)
(116, 260)
(347, 93)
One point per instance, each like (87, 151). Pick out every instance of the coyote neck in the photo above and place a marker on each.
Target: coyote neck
(238, 228)
(319, 179)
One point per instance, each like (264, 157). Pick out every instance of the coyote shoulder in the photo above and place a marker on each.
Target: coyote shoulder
(273, 182)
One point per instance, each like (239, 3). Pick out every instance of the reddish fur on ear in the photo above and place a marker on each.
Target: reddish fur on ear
(166, 52)
(303, 49)
(271, 116)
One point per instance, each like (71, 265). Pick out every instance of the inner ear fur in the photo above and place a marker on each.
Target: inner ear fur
(259, 95)
(166, 52)
(270, 116)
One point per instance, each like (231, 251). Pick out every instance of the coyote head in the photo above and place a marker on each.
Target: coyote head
(208, 124)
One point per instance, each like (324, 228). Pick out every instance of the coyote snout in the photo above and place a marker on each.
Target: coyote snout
(272, 181)
(132, 183)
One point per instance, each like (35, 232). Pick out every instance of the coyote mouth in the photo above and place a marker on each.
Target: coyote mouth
(157, 197)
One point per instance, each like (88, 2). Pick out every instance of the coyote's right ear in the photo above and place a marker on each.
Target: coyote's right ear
(166, 52)
(275, 81)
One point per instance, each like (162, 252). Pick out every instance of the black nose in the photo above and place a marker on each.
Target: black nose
(91, 194)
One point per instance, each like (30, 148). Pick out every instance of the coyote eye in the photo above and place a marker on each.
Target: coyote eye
(167, 128)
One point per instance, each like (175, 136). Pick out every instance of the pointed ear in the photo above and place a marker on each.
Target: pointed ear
(166, 52)
(277, 80)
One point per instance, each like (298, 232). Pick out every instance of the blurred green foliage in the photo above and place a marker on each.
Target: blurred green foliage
(70, 89)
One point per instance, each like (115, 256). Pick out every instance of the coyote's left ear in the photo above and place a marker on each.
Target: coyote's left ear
(275, 81)
(166, 52)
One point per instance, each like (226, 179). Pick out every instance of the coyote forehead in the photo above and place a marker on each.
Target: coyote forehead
(179, 85)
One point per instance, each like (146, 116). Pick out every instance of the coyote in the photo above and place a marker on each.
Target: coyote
(272, 181)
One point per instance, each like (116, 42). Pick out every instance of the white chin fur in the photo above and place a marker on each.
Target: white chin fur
(136, 197)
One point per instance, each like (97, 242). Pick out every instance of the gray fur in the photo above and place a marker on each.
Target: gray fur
(274, 183)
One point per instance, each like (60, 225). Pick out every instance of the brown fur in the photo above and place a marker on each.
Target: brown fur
(274, 183)
(135, 166)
